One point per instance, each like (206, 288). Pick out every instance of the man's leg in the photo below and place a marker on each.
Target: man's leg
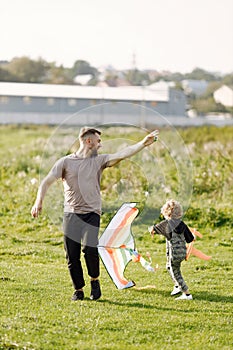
(90, 242)
(72, 226)
(91, 255)
(73, 250)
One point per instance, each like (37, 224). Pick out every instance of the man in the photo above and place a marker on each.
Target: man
(81, 173)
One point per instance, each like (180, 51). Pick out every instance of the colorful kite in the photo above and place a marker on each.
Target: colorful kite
(117, 247)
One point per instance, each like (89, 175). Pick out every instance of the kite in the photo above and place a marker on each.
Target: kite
(191, 250)
(117, 247)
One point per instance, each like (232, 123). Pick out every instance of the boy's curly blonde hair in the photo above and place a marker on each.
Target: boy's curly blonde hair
(172, 210)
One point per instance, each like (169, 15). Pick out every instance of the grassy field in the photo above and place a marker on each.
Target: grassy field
(193, 165)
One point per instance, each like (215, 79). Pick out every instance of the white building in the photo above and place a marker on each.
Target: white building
(224, 95)
(55, 104)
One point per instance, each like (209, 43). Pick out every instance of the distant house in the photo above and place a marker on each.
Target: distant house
(193, 86)
(74, 104)
(224, 95)
(83, 79)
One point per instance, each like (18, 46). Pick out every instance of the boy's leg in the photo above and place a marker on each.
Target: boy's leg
(169, 264)
(175, 270)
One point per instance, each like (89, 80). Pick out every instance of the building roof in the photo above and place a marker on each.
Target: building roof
(124, 93)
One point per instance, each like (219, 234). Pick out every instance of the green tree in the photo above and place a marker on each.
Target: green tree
(207, 105)
(228, 80)
(201, 74)
(178, 86)
(27, 70)
(5, 75)
(213, 86)
(83, 67)
(136, 77)
(176, 77)
(58, 75)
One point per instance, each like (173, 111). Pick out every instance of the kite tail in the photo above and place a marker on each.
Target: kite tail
(146, 265)
(199, 254)
(194, 251)
(195, 232)
(136, 257)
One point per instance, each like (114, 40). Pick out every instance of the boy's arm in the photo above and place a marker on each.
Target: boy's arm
(131, 150)
(45, 184)
(159, 229)
(188, 234)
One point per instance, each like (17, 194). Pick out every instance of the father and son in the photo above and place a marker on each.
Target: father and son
(80, 173)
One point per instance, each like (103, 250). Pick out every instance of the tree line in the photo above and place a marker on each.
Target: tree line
(26, 70)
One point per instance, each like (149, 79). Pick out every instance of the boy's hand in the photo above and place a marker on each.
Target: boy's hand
(151, 231)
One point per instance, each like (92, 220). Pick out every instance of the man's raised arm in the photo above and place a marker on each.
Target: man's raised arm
(131, 150)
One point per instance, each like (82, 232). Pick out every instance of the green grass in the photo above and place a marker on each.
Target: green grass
(35, 307)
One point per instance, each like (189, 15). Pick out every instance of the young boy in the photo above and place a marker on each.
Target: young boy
(177, 235)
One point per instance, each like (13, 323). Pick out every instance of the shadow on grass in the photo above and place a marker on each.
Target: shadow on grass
(200, 296)
(196, 296)
(135, 305)
(217, 298)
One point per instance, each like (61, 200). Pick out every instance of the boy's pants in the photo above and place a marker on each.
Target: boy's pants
(173, 267)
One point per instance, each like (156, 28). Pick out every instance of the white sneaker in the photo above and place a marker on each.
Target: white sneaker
(185, 297)
(176, 290)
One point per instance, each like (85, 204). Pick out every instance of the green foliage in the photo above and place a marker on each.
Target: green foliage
(27, 70)
(83, 67)
(6, 76)
(136, 77)
(207, 105)
(201, 74)
(214, 85)
(213, 218)
(228, 79)
(35, 307)
(58, 75)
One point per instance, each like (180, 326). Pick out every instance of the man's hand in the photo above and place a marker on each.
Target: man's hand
(150, 138)
(36, 210)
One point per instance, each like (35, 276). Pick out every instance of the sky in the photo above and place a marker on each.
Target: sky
(173, 35)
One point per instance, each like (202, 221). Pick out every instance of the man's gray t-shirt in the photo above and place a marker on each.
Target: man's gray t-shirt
(81, 182)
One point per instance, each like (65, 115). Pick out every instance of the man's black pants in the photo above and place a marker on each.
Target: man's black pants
(81, 230)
